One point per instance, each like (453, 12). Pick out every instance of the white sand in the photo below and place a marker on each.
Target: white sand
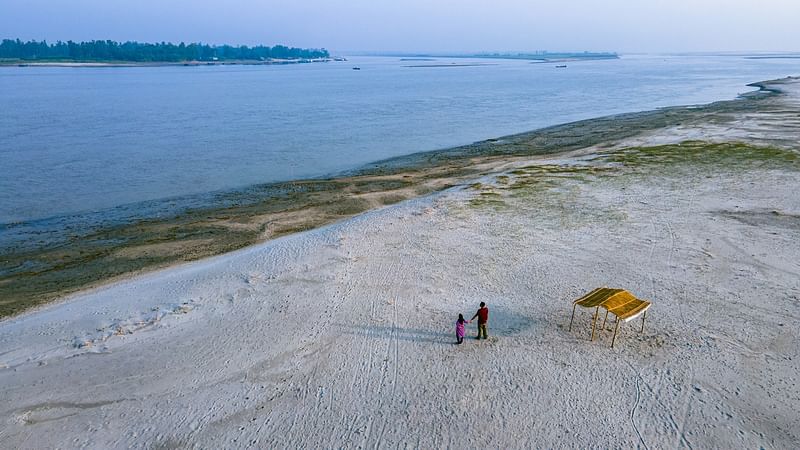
(343, 336)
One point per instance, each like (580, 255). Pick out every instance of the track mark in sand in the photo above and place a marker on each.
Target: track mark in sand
(310, 399)
(650, 258)
(393, 344)
(392, 276)
(632, 414)
(682, 429)
(633, 411)
(396, 351)
(48, 412)
(361, 368)
(752, 261)
(659, 237)
(672, 246)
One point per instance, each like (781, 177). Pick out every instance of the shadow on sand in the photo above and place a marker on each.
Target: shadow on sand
(502, 323)
(400, 333)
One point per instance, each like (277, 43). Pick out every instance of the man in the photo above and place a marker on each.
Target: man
(483, 318)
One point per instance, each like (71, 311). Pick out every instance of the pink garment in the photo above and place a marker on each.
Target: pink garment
(460, 329)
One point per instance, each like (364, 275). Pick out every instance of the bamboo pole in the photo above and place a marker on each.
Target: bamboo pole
(573, 316)
(614, 339)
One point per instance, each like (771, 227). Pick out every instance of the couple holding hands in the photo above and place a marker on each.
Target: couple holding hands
(483, 318)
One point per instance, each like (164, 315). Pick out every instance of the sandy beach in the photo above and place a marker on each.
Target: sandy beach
(343, 336)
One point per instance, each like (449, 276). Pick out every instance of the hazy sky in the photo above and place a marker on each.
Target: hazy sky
(421, 25)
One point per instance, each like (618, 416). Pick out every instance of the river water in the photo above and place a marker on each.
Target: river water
(79, 143)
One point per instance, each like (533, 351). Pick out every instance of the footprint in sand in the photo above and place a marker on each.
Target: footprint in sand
(48, 412)
(131, 325)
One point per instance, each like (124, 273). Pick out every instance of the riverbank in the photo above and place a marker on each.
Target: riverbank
(342, 336)
(244, 62)
(31, 276)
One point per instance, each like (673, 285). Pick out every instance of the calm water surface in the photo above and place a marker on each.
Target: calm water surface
(89, 141)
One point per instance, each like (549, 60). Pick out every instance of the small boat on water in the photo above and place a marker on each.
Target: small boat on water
(561, 67)
(356, 68)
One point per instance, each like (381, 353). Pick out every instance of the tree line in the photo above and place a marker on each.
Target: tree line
(146, 52)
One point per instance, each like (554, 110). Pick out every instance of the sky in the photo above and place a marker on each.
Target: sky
(625, 26)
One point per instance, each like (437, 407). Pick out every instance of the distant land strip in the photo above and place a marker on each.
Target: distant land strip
(541, 56)
(15, 51)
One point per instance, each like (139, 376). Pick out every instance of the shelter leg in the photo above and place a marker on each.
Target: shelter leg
(644, 316)
(604, 321)
(614, 339)
(594, 321)
(573, 317)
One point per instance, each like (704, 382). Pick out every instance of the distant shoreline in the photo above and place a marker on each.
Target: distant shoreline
(541, 57)
(270, 62)
(108, 53)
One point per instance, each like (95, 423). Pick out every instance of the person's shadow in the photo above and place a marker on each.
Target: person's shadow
(502, 323)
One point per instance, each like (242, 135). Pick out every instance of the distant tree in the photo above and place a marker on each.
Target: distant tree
(144, 52)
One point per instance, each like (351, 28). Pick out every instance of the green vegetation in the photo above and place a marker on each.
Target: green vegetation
(33, 277)
(728, 155)
(552, 185)
(144, 52)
